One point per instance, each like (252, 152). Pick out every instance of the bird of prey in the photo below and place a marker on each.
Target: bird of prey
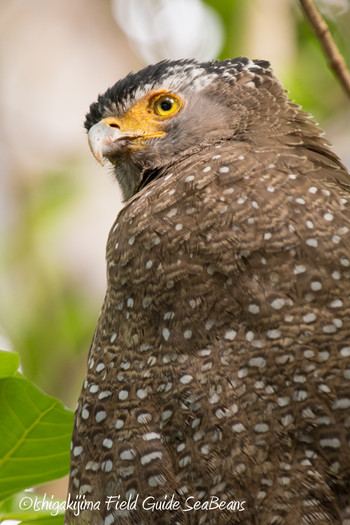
(218, 381)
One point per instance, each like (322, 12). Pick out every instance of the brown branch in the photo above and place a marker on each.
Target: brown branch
(335, 60)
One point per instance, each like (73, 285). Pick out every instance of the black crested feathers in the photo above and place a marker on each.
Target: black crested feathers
(123, 90)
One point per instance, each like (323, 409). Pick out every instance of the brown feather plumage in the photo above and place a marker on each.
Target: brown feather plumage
(221, 361)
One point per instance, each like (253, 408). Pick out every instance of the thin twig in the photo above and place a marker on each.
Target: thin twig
(335, 60)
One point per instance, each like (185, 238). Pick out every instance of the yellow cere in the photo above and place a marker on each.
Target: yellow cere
(145, 118)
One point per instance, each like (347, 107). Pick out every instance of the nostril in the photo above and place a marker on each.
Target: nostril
(114, 125)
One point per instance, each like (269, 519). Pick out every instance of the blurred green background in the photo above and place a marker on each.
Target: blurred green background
(56, 203)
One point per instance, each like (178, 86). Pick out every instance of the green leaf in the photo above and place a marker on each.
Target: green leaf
(29, 507)
(46, 520)
(9, 362)
(35, 434)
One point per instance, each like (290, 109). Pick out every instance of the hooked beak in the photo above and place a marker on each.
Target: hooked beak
(105, 139)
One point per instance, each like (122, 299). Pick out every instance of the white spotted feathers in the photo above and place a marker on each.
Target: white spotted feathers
(221, 361)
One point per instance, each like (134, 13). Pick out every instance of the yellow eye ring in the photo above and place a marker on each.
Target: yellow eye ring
(166, 105)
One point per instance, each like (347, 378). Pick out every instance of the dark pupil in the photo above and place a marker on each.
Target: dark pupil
(166, 104)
